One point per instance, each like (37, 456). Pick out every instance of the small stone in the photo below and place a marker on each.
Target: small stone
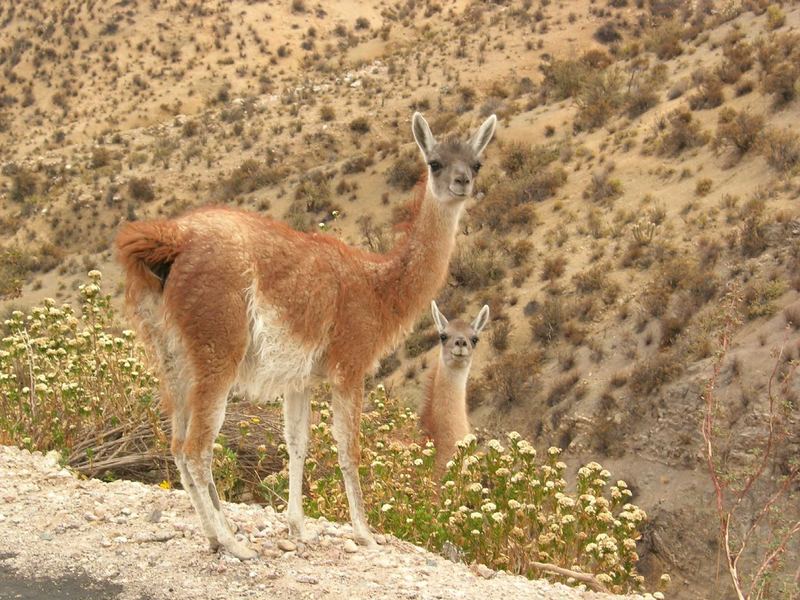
(155, 516)
(90, 517)
(46, 536)
(483, 571)
(307, 579)
(430, 562)
(287, 545)
(350, 546)
(380, 539)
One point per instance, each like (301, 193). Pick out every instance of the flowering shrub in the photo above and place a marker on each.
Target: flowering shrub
(498, 505)
(72, 381)
(75, 383)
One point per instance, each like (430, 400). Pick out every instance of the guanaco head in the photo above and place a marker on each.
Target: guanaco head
(453, 164)
(458, 338)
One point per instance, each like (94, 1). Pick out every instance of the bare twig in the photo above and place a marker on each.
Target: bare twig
(586, 578)
(728, 499)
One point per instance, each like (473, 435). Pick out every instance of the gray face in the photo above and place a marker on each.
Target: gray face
(458, 338)
(458, 341)
(453, 163)
(452, 167)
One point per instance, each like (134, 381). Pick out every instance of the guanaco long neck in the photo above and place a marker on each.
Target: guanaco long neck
(444, 410)
(417, 268)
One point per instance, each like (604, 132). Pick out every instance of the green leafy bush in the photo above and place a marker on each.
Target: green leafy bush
(251, 175)
(498, 505)
(74, 383)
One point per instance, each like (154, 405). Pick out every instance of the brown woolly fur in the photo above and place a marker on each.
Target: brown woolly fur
(228, 298)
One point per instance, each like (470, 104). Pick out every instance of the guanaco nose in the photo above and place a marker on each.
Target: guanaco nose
(462, 179)
(461, 343)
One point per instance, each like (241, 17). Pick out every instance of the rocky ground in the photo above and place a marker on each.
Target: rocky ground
(65, 537)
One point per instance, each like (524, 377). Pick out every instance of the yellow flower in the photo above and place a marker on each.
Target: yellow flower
(165, 485)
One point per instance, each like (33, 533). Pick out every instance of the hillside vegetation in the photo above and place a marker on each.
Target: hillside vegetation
(636, 213)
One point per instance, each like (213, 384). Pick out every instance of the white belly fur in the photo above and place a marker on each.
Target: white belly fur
(275, 362)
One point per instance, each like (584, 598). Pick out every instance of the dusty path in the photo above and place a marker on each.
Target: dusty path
(62, 537)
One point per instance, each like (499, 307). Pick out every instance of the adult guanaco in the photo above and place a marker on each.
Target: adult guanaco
(231, 300)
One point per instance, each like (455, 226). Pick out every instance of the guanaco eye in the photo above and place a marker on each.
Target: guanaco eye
(475, 341)
(476, 167)
(444, 337)
(435, 165)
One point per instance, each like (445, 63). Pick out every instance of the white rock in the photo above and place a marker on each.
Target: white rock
(350, 546)
(287, 545)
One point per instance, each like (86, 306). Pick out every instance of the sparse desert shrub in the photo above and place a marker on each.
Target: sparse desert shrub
(549, 321)
(362, 23)
(738, 131)
(599, 97)
(387, 366)
(782, 82)
(553, 267)
(665, 40)
(703, 186)
(607, 33)
(141, 188)
(405, 171)
(15, 264)
(709, 93)
(24, 183)
(781, 148)
(641, 99)
(603, 188)
(101, 157)
(327, 113)
(651, 373)
(775, 17)
(509, 380)
(501, 329)
(357, 164)
(251, 175)
(519, 157)
(792, 316)
(752, 233)
(679, 88)
(507, 204)
(682, 132)
(360, 125)
(776, 49)
(564, 78)
(476, 266)
(190, 128)
(738, 60)
(744, 87)
(422, 338)
(759, 297)
(313, 193)
(591, 280)
(520, 251)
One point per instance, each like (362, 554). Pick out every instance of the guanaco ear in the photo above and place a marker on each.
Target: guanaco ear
(483, 136)
(423, 136)
(480, 321)
(438, 317)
